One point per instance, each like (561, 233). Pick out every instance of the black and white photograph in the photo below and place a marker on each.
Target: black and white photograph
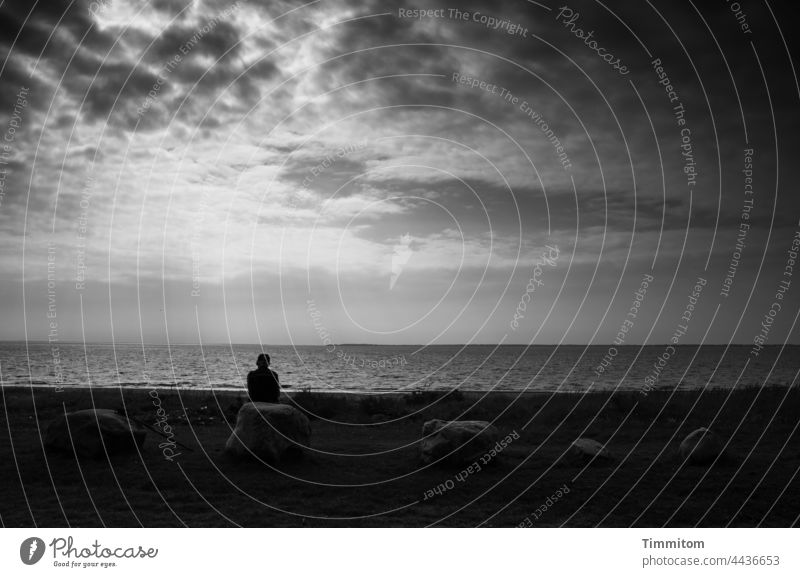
(349, 264)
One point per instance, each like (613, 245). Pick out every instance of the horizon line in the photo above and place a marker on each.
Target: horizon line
(263, 345)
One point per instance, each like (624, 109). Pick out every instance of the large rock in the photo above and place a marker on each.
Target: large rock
(589, 449)
(268, 431)
(457, 442)
(94, 433)
(701, 447)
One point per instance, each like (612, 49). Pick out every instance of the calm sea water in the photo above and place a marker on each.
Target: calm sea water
(397, 368)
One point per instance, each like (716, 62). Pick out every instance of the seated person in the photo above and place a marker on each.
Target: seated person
(262, 384)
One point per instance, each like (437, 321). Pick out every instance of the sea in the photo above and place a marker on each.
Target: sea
(388, 368)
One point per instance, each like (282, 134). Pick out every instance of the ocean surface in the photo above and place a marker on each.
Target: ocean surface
(378, 368)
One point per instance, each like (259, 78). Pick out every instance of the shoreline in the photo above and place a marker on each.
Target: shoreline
(289, 390)
(415, 345)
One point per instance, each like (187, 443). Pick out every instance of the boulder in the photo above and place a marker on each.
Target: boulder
(701, 447)
(94, 433)
(457, 442)
(268, 431)
(589, 449)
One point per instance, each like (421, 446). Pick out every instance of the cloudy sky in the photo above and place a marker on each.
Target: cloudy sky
(278, 172)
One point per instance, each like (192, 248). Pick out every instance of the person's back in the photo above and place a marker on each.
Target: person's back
(263, 385)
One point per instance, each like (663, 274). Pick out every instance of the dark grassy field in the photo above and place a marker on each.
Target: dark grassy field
(364, 470)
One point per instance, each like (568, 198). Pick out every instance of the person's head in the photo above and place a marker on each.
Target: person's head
(262, 360)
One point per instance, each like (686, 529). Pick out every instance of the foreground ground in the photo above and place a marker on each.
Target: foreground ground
(364, 469)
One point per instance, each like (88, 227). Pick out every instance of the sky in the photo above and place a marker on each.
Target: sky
(398, 172)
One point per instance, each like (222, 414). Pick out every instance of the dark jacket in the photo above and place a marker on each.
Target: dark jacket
(263, 386)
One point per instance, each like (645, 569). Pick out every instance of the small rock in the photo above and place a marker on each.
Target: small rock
(589, 449)
(701, 447)
(457, 442)
(94, 433)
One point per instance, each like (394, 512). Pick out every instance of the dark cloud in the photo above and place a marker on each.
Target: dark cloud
(114, 86)
(173, 8)
(49, 29)
(221, 42)
(111, 71)
(41, 36)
